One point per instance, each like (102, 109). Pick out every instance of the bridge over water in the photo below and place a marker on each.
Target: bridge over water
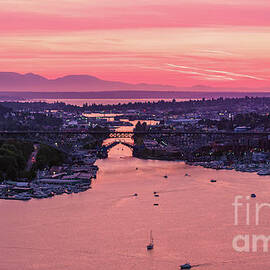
(61, 138)
(130, 134)
(64, 140)
(111, 145)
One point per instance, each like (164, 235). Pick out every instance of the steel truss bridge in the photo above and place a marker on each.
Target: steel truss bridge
(187, 141)
(130, 134)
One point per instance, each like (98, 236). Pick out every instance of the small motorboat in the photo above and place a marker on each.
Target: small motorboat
(253, 195)
(165, 176)
(151, 244)
(136, 168)
(185, 266)
(213, 181)
(155, 192)
(156, 195)
(135, 194)
(156, 204)
(187, 174)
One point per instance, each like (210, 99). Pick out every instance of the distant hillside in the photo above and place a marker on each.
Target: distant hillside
(10, 81)
(27, 86)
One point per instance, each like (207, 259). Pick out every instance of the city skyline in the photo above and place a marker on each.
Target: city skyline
(181, 43)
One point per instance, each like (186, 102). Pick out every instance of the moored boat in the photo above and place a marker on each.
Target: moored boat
(264, 172)
(185, 266)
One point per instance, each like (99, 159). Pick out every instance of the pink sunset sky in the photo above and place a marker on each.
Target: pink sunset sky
(178, 42)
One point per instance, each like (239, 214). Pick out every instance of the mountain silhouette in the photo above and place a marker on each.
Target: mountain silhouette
(11, 81)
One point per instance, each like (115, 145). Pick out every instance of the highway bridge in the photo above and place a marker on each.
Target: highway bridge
(130, 134)
(64, 140)
(187, 142)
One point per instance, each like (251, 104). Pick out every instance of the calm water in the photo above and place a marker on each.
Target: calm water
(107, 228)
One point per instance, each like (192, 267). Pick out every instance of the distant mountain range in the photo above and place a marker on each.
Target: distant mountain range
(32, 86)
(11, 81)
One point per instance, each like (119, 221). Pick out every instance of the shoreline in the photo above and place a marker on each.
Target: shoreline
(259, 168)
(49, 186)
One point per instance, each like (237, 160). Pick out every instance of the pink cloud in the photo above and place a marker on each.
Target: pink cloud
(226, 42)
(187, 15)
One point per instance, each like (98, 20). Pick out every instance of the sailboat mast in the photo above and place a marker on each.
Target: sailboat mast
(151, 237)
(151, 244)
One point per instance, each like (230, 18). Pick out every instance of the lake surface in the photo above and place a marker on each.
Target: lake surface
(108, 228)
